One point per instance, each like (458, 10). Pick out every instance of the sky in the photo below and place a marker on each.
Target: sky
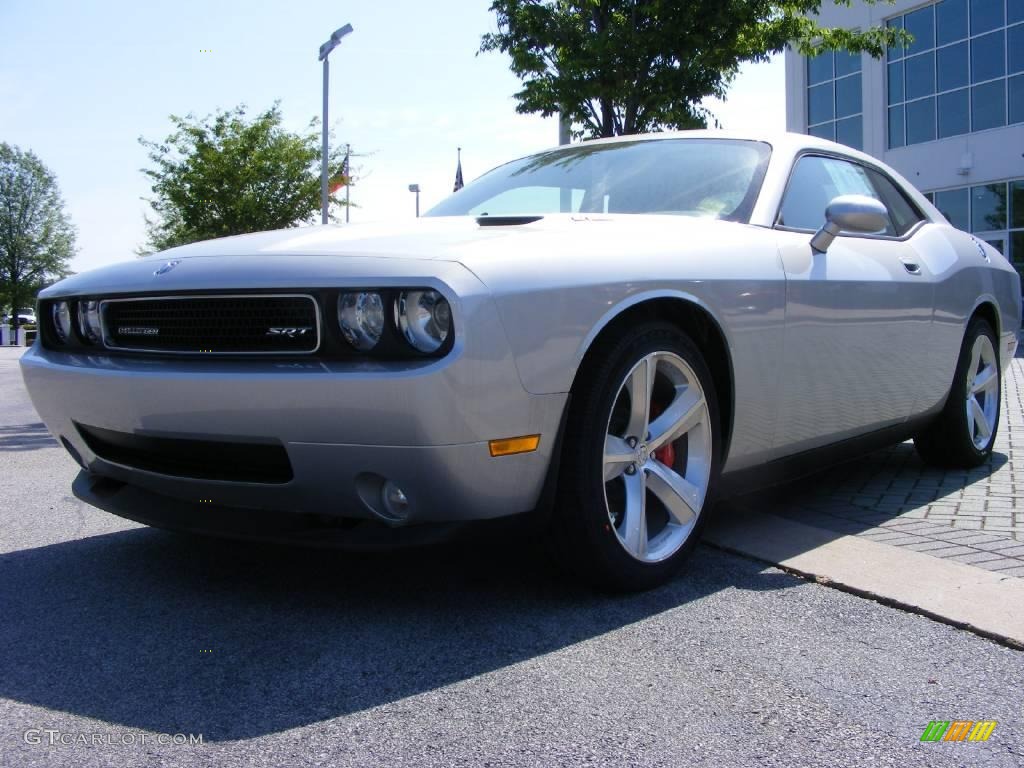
(81, 81)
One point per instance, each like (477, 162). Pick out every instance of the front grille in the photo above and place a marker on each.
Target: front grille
(254, 324)
(198, 459)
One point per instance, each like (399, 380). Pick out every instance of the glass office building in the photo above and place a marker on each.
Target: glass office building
(946, 110)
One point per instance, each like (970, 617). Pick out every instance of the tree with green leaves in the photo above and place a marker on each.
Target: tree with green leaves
(226, 174)
(37, 238)
(618, 67)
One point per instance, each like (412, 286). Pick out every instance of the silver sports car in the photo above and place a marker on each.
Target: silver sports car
(607, 335)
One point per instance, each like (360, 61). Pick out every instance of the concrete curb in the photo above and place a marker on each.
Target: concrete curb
(980, 601)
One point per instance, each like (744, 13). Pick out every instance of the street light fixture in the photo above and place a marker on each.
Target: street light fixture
(325, 51)
(416, 188)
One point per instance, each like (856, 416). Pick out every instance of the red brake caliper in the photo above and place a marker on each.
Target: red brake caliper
(667, 453)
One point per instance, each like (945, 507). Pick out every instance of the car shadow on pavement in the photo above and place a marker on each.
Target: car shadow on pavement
(865, 494)
(177, 634)
(25, 437)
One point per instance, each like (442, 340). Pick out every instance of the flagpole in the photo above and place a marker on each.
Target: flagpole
(348, 181)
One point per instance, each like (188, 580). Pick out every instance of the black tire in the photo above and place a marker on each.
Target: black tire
(948, 442)
(581, 534)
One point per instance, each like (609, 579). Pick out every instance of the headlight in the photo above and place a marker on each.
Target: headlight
(89, 320)
(361, 317)
(62, 320)
(425, 318)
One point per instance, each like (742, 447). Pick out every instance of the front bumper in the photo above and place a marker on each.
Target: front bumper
(346, 427)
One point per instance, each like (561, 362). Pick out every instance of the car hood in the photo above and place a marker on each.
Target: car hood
(320, 256)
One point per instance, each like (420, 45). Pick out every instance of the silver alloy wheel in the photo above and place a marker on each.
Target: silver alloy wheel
(679, 431)
(982, 392)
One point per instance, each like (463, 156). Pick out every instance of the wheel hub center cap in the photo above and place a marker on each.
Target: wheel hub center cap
(642, 454)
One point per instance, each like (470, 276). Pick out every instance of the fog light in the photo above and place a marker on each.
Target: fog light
(395, 501)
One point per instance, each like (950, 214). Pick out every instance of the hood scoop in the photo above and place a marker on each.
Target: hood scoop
(506, 221)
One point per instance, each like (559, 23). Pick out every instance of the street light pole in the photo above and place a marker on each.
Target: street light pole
(323, 151)
(325, 51)
(416, 188)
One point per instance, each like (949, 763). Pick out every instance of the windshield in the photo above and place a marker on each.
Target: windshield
(715, 178)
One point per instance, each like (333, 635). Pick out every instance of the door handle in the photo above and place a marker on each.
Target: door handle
(912, 267)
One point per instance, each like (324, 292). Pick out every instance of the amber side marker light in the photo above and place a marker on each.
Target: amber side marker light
(513, 445)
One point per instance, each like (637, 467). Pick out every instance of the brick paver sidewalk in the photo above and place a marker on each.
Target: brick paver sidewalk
(974, 517)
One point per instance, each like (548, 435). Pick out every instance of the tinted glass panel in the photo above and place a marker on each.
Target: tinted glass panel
(1016, 88)
(986, 15)
(1014, 11)
(988, 207)
(954, 114)
(896, 127)
(953, 204)
(1017, 249)
(848, 101)
(851, 132)
(1017, 204)
(950, 21)
(920, 75)
(820, 103)
(895, 82)
(921, 121)
(921, 24)
(952, 66)
(1015, 47)
(824, 131)
(816, 181)
(988, 106)
(847, 63)
(896, 51)
(819, 68)
(988, 57)
(901, 213)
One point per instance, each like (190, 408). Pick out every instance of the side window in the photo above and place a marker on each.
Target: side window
(903, 214)
(815, 182)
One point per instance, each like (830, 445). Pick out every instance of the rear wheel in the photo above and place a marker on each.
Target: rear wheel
(640, 459)
(964, 433)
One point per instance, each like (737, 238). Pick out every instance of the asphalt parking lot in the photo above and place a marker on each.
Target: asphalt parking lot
(470, 654)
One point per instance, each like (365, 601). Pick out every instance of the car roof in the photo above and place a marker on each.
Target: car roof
(787, 142)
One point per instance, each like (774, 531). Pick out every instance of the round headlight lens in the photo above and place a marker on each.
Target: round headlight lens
(62, 320)
(425, 318)
(89, 320)
(361, 317)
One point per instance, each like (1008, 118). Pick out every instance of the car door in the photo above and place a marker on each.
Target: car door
(858, 317)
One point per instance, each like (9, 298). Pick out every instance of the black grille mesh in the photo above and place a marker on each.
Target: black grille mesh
(224, 324)
(203, 459)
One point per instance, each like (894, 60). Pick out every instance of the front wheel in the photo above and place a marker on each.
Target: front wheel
(640, 459)
(964, 433)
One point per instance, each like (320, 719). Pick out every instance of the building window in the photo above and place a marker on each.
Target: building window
(834, 102)
(963, 72)
(994, 212)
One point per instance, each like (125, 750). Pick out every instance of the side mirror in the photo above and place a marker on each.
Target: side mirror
(850, 213)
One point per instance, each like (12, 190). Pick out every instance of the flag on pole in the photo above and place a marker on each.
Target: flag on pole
(341, 178)
(458, 173)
